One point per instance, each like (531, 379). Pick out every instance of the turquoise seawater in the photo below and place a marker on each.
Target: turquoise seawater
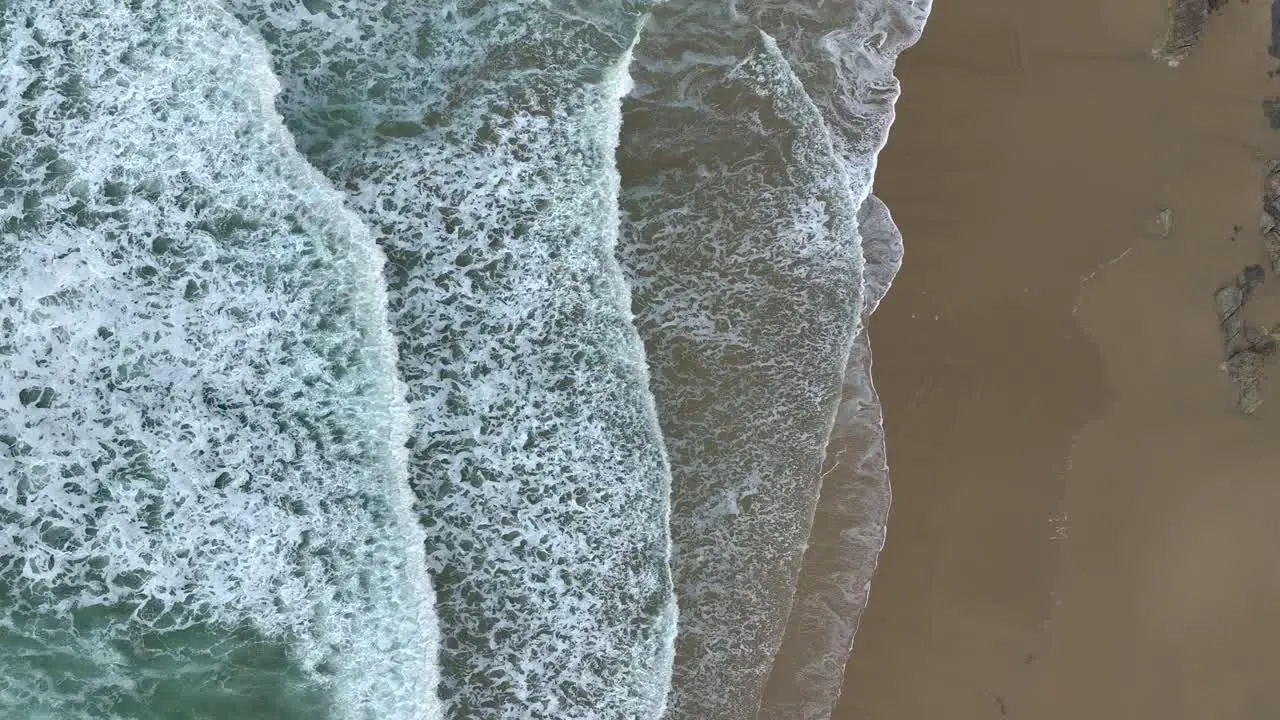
(205, 500)
(416, 359)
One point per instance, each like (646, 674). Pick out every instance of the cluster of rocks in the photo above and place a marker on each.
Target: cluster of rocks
(1186, 21)
(1185, 24)
(1269, 222)
(1247, 347)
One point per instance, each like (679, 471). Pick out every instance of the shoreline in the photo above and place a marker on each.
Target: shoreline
(1057, 424)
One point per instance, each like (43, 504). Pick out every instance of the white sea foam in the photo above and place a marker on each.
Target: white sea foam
(478, 139)
(183, 456)
(739, 199)
(844, 54)
(201, 423)
(740, 243)
(849, 525)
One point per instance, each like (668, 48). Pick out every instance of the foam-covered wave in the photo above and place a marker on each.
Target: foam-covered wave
(740, 244)
(478, 139)
(849, 525)
(752, 134)
(844, 53)
(203, 490)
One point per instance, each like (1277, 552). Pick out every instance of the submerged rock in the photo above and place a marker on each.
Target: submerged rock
(1162, 224)
(1260, 339)
(1186, 19)
(1271, 110)
(1274, 48)
(1230, 299)
(1245, 370)
(1247, 346)
(1270, 214)
(1251, 278)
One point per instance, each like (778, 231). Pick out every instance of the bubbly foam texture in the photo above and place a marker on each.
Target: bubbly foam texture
(844, 54)
(749, 141)
(740, 244)
(849, 525)
(203, 491)
(478, 139)
(201, 431)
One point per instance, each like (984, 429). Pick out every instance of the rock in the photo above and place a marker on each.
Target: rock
(1260, 340)
(1271, 213)
(1230, 299)
(1274, 48)
(1245, 370)
(1271, 185)
(1271, 243)
(1162, 225)
(1251, 278)
(1271, 111)
(1185, 22)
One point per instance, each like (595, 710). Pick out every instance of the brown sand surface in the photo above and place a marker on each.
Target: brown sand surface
(1083, 526)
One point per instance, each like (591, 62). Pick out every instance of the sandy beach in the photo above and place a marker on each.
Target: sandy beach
(1084, 525)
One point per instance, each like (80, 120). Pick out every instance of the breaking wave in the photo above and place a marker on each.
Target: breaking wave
(383, 359)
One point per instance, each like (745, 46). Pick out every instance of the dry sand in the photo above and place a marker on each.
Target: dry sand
(1083, 525)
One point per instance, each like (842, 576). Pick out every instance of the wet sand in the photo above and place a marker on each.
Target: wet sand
(1083, 524)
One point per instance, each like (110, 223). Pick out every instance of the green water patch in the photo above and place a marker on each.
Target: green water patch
(115, 662)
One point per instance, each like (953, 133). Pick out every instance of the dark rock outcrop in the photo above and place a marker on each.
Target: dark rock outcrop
(1186, 23)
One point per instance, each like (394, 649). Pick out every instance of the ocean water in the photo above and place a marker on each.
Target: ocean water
(204, 506)
(477, 140)
(740, 241)
(748, 149)
(844, 54)
(850, 522)
(410, 358)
